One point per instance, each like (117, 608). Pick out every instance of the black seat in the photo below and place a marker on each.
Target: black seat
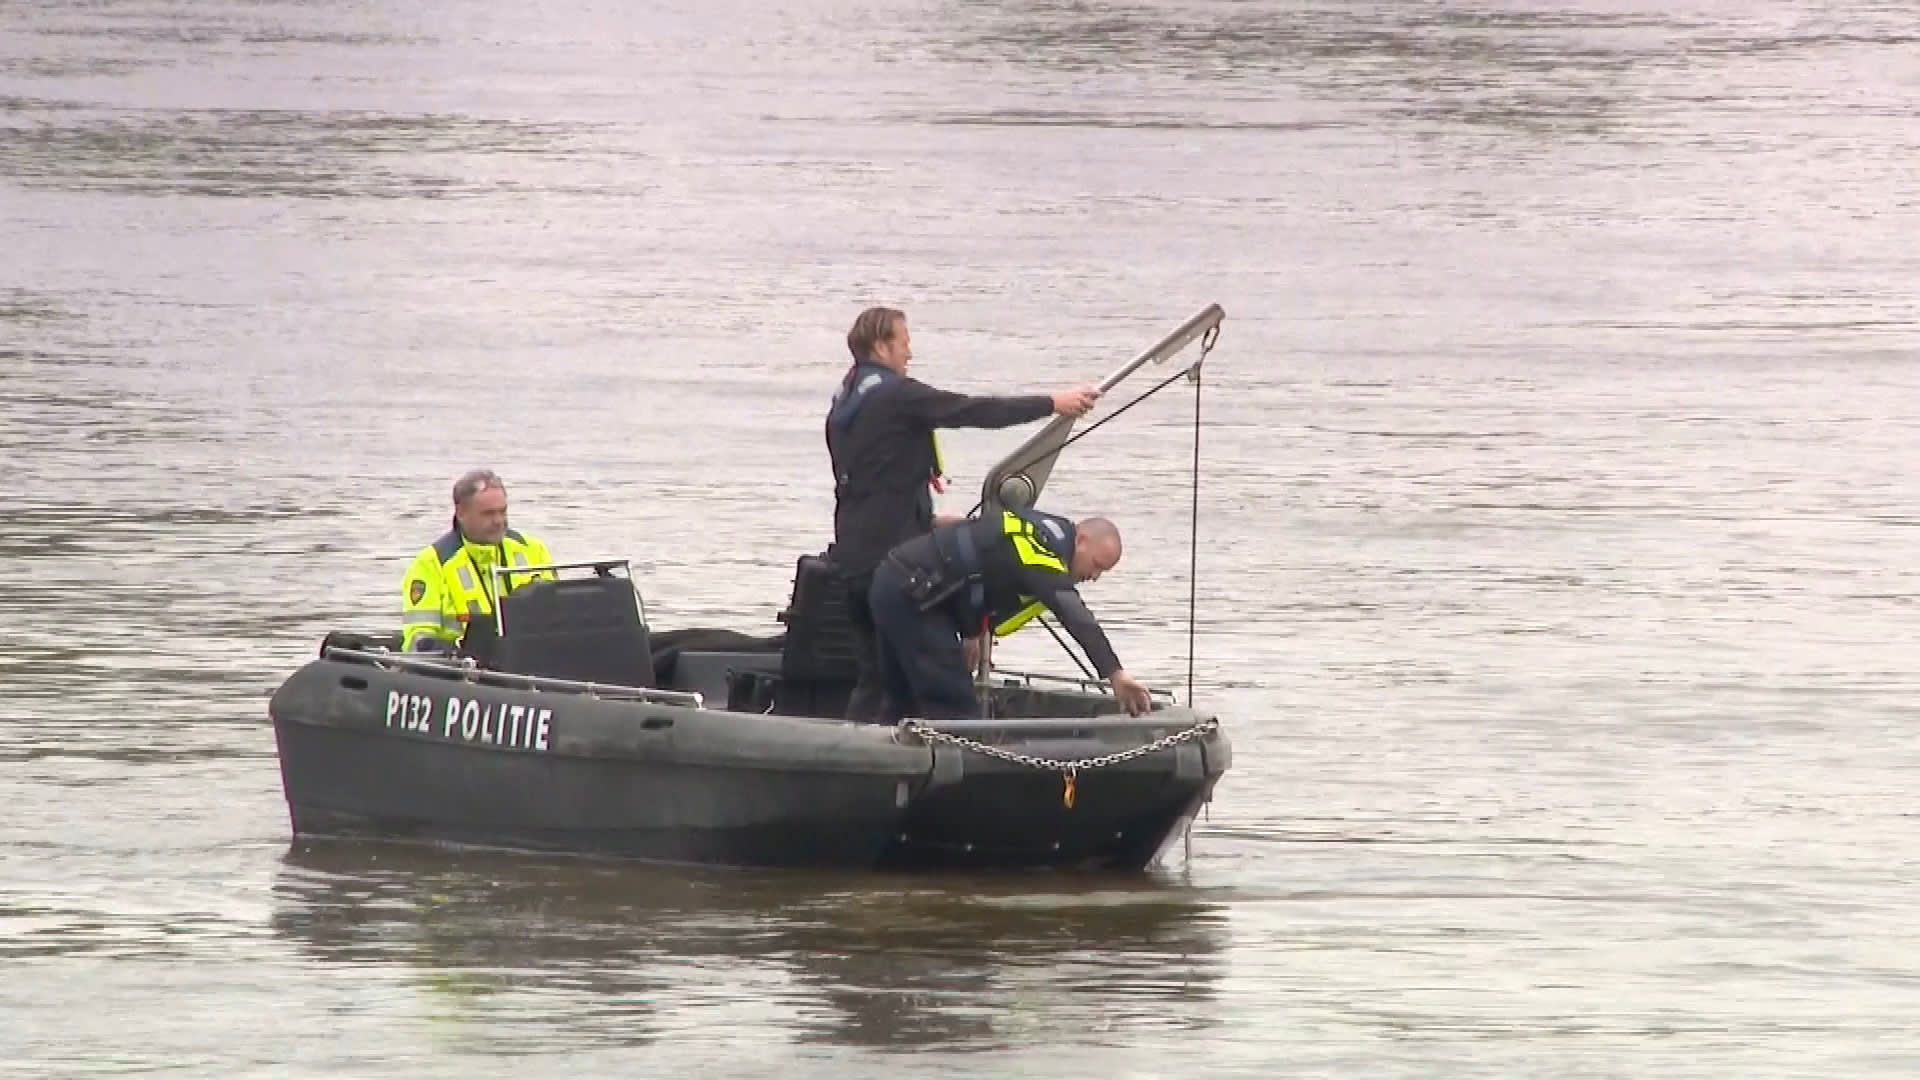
(817, 664)
(588, 629)
(819, 644)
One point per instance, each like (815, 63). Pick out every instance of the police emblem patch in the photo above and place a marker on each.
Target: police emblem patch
(416, 589)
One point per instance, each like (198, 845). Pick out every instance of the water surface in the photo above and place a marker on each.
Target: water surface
(1557, 520)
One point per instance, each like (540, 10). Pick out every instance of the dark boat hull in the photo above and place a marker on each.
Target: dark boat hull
(1005, 816)
(373, 750)
(658, 783)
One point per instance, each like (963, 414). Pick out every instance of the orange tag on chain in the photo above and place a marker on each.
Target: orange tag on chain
(1066, 797)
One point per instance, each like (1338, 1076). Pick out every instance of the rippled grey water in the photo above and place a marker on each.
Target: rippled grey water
(1558, 574)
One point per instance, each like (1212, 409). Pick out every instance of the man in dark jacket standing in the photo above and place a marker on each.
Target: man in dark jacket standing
(886, 466)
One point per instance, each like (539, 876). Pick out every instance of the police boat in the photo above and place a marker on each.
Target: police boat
(567, 723)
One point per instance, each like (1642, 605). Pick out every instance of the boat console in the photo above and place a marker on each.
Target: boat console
(587, 629)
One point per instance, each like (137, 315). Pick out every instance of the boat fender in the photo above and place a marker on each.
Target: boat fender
(948, 765)
(1189, 762)
(1219, 758)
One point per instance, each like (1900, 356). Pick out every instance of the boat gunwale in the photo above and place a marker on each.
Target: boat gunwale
(467, 671)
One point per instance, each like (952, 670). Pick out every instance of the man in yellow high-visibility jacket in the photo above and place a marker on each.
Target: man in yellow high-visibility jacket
(451, 580)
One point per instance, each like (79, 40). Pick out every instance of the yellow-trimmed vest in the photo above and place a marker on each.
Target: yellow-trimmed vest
(452, 580)
(1038, 539)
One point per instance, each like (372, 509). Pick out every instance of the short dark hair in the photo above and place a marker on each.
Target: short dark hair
(874, 325)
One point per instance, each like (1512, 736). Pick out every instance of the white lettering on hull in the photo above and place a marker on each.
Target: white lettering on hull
(478, 723)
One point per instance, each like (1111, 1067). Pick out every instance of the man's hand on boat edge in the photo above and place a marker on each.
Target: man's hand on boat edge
(1132, 693)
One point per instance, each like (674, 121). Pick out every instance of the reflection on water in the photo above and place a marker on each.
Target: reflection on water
(251, 153)
(24, 306)
(56, 29)
(1543, 69)
(294, 150)
(1418, 60)
(24, 312)
(566, 951)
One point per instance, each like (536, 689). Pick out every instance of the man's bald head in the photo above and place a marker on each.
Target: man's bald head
(1096, 548)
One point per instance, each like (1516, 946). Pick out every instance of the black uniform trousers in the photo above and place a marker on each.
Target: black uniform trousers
(923, 666)
(867, 704)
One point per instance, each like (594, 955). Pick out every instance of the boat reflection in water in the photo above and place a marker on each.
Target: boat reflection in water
(583, 951)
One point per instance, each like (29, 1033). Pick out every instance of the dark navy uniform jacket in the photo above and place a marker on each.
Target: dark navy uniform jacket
(1017, 559)
(880, 438)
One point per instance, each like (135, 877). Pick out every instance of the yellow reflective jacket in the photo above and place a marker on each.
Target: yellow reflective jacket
(1033, 549)
(452, 580)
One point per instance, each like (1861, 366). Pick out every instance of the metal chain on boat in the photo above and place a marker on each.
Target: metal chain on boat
(1067, 769)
